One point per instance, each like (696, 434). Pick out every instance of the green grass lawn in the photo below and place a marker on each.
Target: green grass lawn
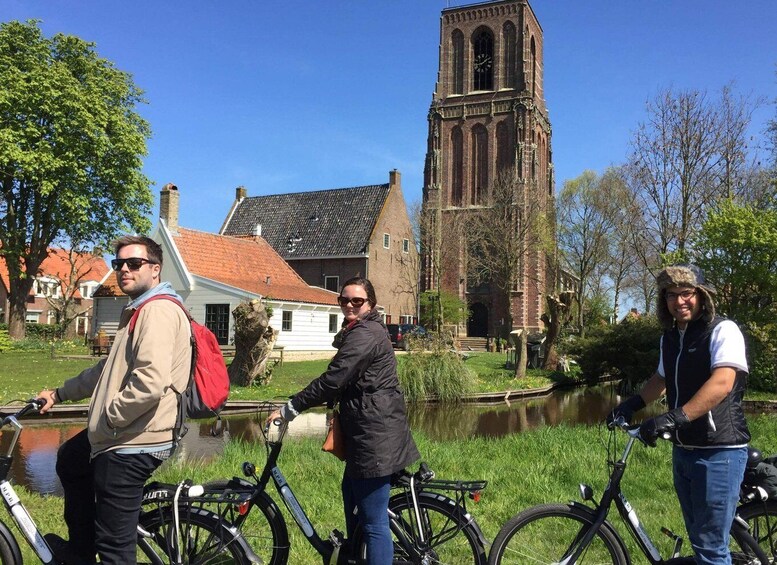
(533, 467)
(24, 373)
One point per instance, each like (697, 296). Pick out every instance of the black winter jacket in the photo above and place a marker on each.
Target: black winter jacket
(687, 361)
(363, 376)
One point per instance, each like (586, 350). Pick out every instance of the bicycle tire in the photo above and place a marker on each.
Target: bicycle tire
(205, 537)
(265, 533)
(546, 533)
(761, 518)
(10, 552)
(454, 537)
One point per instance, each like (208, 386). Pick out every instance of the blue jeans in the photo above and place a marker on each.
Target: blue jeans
(707, 484)
(371, 497)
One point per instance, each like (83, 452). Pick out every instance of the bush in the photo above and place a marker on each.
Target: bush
(5, 340)
(438, 373)
(762, 355)
(629, 349)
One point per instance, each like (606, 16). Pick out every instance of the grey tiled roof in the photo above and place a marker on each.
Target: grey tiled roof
(313, 224)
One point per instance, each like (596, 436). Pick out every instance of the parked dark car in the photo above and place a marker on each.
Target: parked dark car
(399, 333)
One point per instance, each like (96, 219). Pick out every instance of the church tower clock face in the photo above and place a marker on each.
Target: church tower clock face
(488, 122)
(483, 63)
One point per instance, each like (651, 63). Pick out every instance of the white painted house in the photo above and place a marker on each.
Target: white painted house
(214, 273)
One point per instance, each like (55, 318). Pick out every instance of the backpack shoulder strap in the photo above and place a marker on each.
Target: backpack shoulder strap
(136, 313)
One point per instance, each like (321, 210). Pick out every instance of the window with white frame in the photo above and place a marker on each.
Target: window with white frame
(333, 325)
(404, 319)
(52, 317)
(332, 283)
(286, 323)
(87, 289)
(405, 246)
(46, 287)
(32, 317)
(386, 240)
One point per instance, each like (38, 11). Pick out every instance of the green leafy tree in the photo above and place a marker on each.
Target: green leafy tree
(737, 248)
(454, 310)
(71, 149)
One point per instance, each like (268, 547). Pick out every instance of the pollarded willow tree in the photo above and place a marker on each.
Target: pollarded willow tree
(71, 149)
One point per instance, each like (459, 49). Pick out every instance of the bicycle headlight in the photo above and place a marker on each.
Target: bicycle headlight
(586, 492)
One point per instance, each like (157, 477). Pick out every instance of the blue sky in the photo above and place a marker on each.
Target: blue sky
(284, 96)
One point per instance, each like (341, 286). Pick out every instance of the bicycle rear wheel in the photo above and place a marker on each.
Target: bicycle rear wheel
(550, 532)
(204, 538)
(449, 535)
(761, 517)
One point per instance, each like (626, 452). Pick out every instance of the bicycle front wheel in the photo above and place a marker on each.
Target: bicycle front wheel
(263, 527)
(744, 548)
(202, 538)
(761, 517)
(439, 534)
(550, 533)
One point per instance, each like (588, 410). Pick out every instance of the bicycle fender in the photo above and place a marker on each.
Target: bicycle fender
(452, 503)
(8, 537)
(605, 526)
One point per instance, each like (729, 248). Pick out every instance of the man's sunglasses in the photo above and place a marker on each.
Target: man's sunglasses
(356, 301)
(133, 263)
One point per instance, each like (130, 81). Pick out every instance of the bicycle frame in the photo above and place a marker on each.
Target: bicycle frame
(614, 494)
(330, 549)
(12, 502)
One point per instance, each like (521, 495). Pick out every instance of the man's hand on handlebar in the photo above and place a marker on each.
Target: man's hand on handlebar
(50, 397)
(666, 423)
(626, 409)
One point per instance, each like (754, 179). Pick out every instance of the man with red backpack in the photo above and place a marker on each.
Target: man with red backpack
(132, 417)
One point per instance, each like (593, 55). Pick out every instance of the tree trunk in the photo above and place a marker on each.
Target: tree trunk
(521, 355)
(558, 309)
(17, 310)
(254, 341)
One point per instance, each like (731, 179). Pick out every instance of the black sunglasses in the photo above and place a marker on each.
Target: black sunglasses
(133, 263)
(357, 301)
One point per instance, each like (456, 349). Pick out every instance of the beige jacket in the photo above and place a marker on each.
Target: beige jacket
(133, 402)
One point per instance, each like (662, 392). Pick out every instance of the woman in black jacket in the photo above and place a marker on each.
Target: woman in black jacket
(362, 376)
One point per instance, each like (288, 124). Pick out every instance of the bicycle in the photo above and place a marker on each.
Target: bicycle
(759, 511)
(427, 525)
(577, 533)
(164, 536)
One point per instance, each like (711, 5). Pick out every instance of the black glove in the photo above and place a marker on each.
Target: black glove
(668, 422)
(626, 409)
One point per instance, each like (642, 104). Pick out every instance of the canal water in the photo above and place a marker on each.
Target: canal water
(36, 451)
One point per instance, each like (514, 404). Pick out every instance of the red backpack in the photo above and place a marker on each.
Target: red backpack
(208, 388)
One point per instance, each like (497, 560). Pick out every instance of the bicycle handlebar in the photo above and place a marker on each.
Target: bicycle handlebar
(30, 405)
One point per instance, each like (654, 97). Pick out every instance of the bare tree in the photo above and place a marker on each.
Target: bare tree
(502, 235)
(684, 157)
(441, 239)
(81, 264)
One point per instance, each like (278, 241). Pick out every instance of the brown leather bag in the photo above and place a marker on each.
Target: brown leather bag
(335, 442)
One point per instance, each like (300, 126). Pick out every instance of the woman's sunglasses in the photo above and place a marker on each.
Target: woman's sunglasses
(356, 301)
(133, 263)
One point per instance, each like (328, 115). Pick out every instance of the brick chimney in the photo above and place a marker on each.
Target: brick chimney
(168, 206)
(395, 178)
(240, 193)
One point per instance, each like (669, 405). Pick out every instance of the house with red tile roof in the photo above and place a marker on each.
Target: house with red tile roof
(63, 273)
(215, 273)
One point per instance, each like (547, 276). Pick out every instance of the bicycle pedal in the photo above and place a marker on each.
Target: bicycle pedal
(337, 538)
(669, 533)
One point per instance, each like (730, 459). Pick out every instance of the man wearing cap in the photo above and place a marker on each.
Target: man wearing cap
(702, 370)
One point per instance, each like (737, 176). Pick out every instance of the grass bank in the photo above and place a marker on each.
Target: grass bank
(24, 373)
(543, 465)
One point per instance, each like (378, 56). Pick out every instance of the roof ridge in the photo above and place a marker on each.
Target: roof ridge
(319, 191)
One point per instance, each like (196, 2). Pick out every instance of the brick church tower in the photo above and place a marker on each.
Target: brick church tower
(487, 120)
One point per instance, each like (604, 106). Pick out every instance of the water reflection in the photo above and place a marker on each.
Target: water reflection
(35, 455)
